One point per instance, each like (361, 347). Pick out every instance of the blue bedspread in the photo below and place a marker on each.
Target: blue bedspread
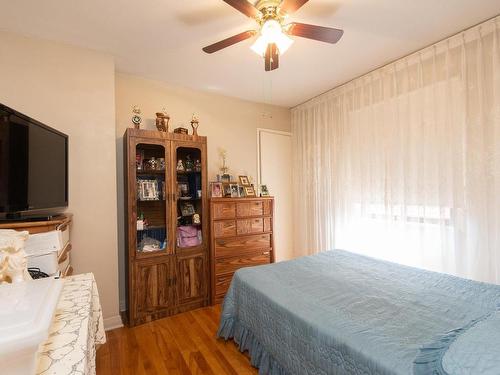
(342, 313)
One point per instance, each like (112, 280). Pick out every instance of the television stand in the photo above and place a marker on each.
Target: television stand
(13, 218)
(37, 224)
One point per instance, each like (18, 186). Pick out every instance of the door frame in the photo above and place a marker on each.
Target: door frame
(259, 159)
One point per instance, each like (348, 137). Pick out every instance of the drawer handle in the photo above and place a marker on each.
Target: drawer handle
(265, 253)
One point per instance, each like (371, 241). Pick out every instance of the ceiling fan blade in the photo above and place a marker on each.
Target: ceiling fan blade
(244, 7)
(229, 41)
(290, 6)
(321, 33)
(271, 57)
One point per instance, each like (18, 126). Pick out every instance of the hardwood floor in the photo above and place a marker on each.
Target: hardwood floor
(181, 344)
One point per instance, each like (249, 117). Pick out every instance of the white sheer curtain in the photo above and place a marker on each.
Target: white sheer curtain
(404, 163)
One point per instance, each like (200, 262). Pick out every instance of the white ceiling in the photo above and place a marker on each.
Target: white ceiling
(162, 39)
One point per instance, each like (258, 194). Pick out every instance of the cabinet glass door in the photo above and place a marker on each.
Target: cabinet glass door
(189, 197)
(152, 194)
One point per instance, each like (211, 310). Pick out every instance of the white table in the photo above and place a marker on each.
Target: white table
(76, 330)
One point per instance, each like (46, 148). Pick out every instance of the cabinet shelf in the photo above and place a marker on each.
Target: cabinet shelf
(188, 172)
(150, 172)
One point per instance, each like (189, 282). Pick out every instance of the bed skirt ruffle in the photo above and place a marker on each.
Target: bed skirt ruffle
(246, 340)
(429, 360)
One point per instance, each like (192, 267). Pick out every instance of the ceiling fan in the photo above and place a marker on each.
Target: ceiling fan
(273, 34)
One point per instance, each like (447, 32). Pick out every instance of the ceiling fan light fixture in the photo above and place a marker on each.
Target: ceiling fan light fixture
(271, 32)
(259, 46)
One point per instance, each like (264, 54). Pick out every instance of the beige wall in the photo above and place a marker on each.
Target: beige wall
(227, 122)
(72, 90)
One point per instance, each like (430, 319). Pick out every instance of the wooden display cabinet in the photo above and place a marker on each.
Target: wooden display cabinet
(167, 224)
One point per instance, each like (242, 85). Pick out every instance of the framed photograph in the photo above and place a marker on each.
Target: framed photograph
(187, 209)
(241, 190)
(249, 191)
(182, 189)
(148, 190)
(264, 191)
(216, 190)
(235, 193)
(227, 190)
(244, 180)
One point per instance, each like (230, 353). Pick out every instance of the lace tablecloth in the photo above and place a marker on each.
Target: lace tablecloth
(77, 328)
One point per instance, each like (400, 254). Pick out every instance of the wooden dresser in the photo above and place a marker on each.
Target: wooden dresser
(241, 236)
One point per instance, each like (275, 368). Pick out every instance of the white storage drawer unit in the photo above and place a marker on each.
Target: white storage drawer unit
(49, 246)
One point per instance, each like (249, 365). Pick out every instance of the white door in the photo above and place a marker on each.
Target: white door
(275, 171)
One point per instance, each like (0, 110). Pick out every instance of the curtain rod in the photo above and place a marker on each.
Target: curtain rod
(397, 59)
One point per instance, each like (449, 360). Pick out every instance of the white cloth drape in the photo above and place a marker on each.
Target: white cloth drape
(404, 163)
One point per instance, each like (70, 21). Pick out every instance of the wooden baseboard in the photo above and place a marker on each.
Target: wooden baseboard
(113, 322)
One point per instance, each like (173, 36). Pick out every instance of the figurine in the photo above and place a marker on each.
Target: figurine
(153, 164)
(12, 256)
(197, 165)
(180, 166)
(189, 164)
(223, 155)
(194, 124)
(162, 120)
(196, 219)
(136, 118)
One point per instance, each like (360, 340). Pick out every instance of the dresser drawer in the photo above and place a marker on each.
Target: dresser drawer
(224, 210)
(224, 228)
(245, 209)
(230, 265)
(268, 224)
(250, 226)
(236, 246)
(267, 207)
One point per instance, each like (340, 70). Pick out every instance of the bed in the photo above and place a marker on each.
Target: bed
(342, 313)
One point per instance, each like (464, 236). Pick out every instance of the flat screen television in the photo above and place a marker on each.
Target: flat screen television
(33, 167)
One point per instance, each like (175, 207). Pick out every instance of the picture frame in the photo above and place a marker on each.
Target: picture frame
(148, 190)
(264, 191)
(227, 190)
(235, 193)
(244, 181)
(216, 190)
(182, 189)
(241, 191)
(249, 191)
(187, 209)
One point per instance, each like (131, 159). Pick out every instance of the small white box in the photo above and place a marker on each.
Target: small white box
(43, 250)
(25, 318)
(44, 243)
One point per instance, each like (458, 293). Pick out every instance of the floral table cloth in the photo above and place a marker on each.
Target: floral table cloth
(77, 328)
